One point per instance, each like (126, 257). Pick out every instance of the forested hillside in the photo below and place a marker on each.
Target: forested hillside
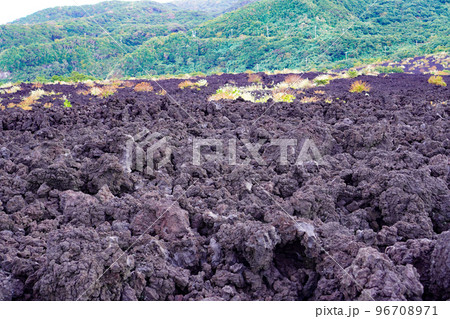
(215, 6)
(65, 39)
(278, 34)
(154, 38)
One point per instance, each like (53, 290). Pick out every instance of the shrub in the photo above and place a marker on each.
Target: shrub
(37, 85)
(295, 82)
(190, 84)
(352, 74)
(226, 93)
(198, 74)
(283, 97)
(311, 99)
(293, 78)
(96, 91)
(322, 80)
(161, 92)
(40, 79)
(186, 84)
(67, 103)
(201, 83)
(143, 87)
(254, 78)
(108, 90)
(128, 84)
(11, 90)
(389, 69)
(437, 80)
(360, 86)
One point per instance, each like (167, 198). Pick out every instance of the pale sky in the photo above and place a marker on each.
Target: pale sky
(11, 10)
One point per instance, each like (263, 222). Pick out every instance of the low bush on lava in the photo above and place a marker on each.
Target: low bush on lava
(437, 80)
(389, 69)
(352, 74)
(255, 78)
(189, 84)
(283, 96)
(226, 93)
(359, 87)
(143, 87)
(322, 80)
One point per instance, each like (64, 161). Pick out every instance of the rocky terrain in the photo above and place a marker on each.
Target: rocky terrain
(369, 222)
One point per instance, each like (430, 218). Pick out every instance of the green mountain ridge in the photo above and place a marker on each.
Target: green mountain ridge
(215, 6)
(299, 34)
(154, 38)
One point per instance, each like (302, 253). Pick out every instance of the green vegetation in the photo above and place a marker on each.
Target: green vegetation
(61, 40)
(67, 103)
(281, 34)
(149, 38)
(215, 6)
(359, 87)
(389, 69)
(437, 80)
(352, 74)
(74, 77)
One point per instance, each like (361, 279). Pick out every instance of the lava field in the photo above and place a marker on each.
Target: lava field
(369, 221)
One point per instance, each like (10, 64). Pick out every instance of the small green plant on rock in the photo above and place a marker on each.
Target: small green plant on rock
(352, 74)
(67, 103)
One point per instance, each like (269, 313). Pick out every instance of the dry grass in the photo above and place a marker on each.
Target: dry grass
(322, 80)
(255, 78)
(189, 84)
(11, 90)
(201, 83)
(359, 87)
(186, 84)
(296, 83)
(37, 86)
(162, 92)
(27, 102)
(222, 96)
(311, 99)
(281, 95)
(128, 84)
(226, 93)
(96, 91)
(293, 78)
(109, 90)
(103, 92)
(319, 92)
(89, 83)
(83, 92)
(143, 87)
(437, 80)
(48, 105)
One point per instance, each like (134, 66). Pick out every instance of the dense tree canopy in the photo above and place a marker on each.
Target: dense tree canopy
(149, 38)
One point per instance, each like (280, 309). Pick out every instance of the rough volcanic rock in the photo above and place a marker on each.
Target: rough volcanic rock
(367, 219)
